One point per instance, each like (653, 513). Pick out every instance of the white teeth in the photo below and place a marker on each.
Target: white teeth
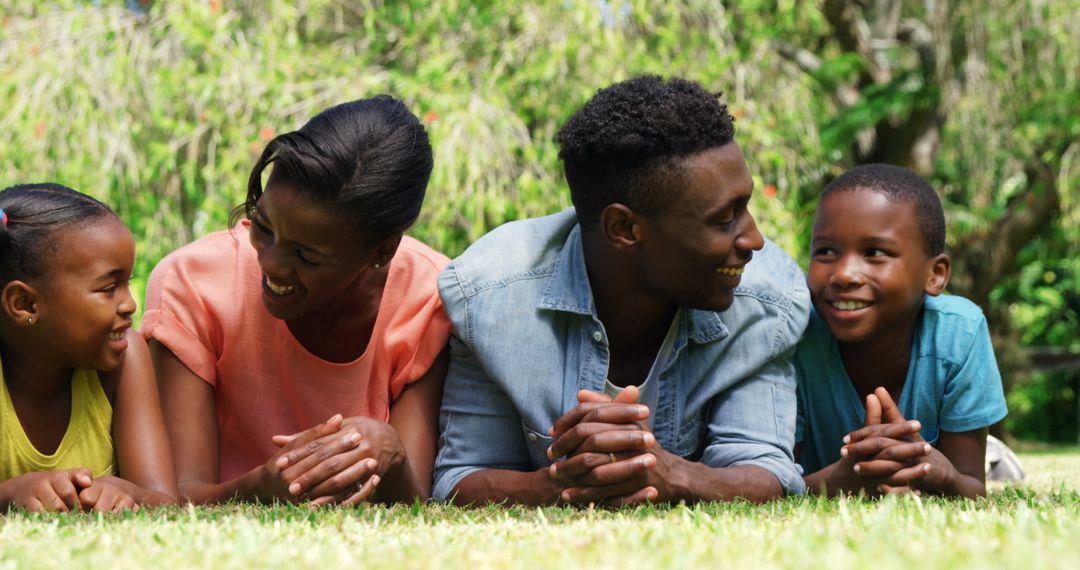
(849, 305)
(732, 271)
(117, 335)
(280, 289)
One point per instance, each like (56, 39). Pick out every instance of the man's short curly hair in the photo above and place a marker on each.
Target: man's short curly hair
(899, 185)
(628, 143)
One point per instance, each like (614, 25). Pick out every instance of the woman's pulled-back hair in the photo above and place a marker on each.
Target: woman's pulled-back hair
(369, 159)
(36, 214)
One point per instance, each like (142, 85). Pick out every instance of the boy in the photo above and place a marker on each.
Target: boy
(880, 334)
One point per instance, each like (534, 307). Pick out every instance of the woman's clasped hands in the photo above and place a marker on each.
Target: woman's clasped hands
(338, 462)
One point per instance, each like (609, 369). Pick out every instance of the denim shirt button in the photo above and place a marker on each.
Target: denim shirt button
(533, 437)
(598, 336)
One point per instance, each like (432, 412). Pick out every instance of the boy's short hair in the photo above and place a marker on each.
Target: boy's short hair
(900, 185)
(626, 144)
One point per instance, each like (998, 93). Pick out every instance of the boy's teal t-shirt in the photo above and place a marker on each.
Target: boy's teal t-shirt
(952, 384)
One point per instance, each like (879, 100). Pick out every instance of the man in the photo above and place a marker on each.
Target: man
(627, 350)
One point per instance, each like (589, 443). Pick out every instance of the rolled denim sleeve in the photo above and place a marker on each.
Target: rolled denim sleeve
(480, 428)
(753, 423)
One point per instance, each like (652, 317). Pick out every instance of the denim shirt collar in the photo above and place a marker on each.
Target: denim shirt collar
(568, 290)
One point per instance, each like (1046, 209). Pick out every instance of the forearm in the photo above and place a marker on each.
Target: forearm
(959, 485)
(145, 496)
(531, 488)
(698, 482)
(248, 487)
(153, 497)
(403, 484)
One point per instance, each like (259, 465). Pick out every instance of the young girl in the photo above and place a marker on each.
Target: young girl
(78, 401)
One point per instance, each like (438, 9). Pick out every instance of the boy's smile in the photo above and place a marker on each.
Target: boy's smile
(869, 269)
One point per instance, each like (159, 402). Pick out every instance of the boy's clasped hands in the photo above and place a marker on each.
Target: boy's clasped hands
(887, 454)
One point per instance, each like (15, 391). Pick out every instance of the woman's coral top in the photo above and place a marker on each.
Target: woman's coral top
(204, 303)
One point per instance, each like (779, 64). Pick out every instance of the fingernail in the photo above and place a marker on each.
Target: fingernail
(858, 468)
(566, 496)
(847, 439)
(843, 451)
(641, 410)
(295, 488)
(375, 479)
(551, 431)
(553, 471)
(282, 461)
(926, 467)
(372, 463)
(915, 424)
(648, 460)
(649, 439)
(550, 456)
(926, 449)
(651, 493)
(353, 438)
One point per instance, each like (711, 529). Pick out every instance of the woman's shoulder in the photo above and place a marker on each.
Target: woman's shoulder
(211, 271)
(412, 294)
(418, 257)
(211, 259)
(415, 269)
(210, 253)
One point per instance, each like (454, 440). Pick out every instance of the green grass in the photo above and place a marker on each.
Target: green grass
(1033, 525)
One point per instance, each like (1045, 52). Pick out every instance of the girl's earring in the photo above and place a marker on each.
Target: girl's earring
(29, 320)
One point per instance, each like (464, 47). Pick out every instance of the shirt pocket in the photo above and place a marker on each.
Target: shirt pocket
(538, 444)
(690, 437)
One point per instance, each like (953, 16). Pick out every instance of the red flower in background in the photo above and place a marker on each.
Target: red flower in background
(266, 133)
(769, 191)
(430, 117)
(39, 130)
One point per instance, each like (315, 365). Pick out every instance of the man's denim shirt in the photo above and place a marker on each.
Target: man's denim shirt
(526, 338)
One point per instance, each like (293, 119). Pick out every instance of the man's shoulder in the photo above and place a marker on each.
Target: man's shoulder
(523, 249)
(772, 276)
(772, 291)
(772, 303)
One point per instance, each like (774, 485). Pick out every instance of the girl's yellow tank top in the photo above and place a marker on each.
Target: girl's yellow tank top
(87, 442)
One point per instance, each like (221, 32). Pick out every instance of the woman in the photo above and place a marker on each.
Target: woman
(315, 306)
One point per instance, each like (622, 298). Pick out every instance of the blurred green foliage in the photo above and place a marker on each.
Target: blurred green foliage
(161, 113)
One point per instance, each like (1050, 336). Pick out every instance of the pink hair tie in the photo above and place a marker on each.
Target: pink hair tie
(3, 217)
